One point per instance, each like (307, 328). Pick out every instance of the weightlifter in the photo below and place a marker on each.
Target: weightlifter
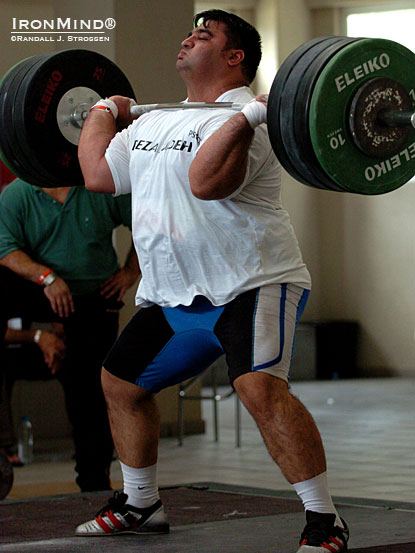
(221, 273)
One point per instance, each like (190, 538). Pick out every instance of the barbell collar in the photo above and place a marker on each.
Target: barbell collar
(397, 118)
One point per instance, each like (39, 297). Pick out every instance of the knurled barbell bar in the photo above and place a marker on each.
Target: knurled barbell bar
(340, 113)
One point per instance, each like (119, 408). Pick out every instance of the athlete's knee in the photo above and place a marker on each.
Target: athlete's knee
(122, 392)
(261, 392)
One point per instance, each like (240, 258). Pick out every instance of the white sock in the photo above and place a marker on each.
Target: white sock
(315, 495)
(140, 485)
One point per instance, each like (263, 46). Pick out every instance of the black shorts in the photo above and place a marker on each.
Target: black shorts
(162, 346)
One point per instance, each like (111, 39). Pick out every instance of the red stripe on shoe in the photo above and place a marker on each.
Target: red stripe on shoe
(117, 523)
(104, 525)
(330, 548)
(337, 542)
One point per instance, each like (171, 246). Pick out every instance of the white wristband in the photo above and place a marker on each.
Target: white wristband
(108, 106)
(255, 112)
(37, 336)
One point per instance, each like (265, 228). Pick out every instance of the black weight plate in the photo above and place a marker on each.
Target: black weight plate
(29, 161)
(4, 87)
(274, 103)
(43, 88)
(10, 150)
(7, 96)
(301, 127)
(26, 169)
(290, 99)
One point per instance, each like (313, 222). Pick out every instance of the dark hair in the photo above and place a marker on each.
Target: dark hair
(241, 35)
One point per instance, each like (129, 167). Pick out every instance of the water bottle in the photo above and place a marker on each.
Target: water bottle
(25, 440)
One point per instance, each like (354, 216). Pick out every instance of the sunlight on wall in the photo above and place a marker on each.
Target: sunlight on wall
(393, 25)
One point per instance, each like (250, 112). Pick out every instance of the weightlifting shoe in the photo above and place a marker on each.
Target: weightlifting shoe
(321, 535)
(117, 517)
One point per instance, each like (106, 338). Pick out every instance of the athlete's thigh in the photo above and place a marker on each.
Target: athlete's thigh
(257, 329)
(143, 337)
(161, 347)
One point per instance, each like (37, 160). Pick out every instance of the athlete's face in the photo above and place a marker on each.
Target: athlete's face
(204, 50)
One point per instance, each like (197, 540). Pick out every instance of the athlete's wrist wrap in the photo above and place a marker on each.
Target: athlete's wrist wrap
(255, 112)
(106, 105)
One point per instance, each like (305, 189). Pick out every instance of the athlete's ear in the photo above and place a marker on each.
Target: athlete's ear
(235, 57)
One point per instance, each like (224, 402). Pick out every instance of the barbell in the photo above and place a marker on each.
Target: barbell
(340, 113)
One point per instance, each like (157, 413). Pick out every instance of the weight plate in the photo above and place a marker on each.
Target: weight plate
(274, 105)
(18, 137)
(10, 150)
(299, 125)
(289, 98)
(330, 105)
(25, 168)
(292, 108)
(37, 107)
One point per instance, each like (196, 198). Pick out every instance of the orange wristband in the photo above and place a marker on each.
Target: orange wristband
(107, 106)
(104, 108)
(43, 276)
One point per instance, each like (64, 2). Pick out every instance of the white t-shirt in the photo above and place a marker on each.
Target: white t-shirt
(187, 246)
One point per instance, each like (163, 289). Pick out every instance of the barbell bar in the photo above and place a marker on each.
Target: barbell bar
(140, 109)
(397, 118)
(390, 118)
(340, 113)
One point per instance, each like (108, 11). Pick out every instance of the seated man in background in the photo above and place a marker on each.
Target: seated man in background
(34, 354)
(58, 263)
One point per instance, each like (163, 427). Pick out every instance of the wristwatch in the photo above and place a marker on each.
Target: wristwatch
(47, 278)
(47, 281)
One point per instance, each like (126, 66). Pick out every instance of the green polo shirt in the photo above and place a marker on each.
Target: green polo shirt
(74, 239)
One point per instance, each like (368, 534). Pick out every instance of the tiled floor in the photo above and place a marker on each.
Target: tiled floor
(368, 428)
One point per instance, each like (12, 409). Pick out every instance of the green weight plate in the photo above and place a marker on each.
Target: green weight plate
(330, 104)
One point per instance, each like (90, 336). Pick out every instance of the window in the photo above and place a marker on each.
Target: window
(397, 25)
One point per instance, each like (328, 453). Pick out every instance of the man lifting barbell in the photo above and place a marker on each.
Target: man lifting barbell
(222, 273)
(340, 113)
